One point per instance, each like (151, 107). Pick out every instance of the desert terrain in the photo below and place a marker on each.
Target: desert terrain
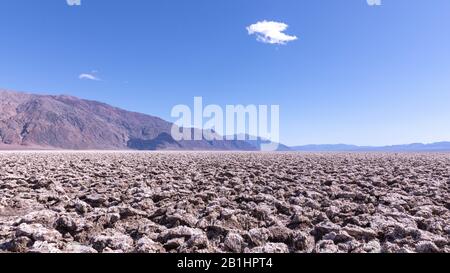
(157, 202)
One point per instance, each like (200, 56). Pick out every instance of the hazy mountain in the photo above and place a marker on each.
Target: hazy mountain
(415, 147)
(258, 142)
(65, 122)
(29, 121)
(325, 147)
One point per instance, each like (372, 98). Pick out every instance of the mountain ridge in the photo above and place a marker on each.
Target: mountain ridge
(67, 122)
(413, 147)
(46, 122)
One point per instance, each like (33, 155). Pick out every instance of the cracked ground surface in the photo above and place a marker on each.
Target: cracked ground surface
(224, 202)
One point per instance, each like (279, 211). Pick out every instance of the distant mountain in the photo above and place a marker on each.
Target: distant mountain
(415, 147)
(325, 147)
(258, 142)
(29, 121)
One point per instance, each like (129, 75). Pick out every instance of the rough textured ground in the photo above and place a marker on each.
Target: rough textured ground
(224, 202)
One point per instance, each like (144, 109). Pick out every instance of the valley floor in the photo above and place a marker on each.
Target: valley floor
(224, 202)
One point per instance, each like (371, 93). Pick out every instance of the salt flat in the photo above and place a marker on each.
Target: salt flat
(223, 202)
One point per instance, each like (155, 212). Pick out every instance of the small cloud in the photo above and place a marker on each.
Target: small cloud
(73, 2)
(89, 76)
(374, 2)
(270, 32)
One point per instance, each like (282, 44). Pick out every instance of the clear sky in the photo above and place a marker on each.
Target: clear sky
(356, 74)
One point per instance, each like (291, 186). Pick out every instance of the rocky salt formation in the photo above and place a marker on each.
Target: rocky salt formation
(85, 202)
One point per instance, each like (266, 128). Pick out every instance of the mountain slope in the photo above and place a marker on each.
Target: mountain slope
(415, 147)
(259, 143)
(65, 122)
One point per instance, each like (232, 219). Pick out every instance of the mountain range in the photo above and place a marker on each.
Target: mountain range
(30, 121)
(415, 147)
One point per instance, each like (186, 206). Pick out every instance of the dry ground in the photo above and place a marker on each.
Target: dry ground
(223, 202)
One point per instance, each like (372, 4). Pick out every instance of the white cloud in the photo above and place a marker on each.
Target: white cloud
(374, 2)
(73, 2)
(87, 76)
(270, 32)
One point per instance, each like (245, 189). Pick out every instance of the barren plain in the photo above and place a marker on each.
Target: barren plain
(206, 202)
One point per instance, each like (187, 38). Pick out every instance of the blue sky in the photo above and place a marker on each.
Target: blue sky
(358, 74)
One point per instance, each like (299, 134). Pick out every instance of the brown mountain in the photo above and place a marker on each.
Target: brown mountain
(66, 122)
